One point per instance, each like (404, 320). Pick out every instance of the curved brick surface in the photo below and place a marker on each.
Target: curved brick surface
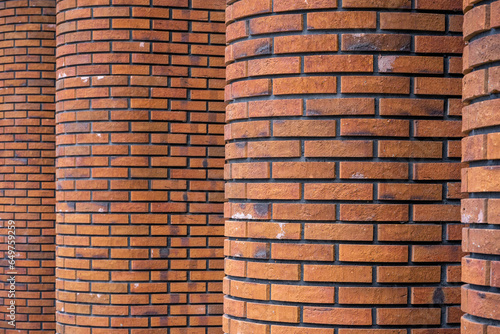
(27, 62)
(481, 269)
(140, 118)
(343, 162)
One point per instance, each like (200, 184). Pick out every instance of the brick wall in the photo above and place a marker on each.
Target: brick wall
(27, 61)
(343, 162)
(140, 118)
(481, 269)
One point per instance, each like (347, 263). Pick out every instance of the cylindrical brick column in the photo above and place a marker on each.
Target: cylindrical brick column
(481, 149)
(140, 118)
(27, 155)
(343, 162)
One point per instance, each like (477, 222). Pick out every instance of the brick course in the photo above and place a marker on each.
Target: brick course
(343, 161)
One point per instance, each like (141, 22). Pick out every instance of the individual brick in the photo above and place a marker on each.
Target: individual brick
(273, 271)
(301, 211)
(338, 191)
(303, 294)
(373, 253)
(410, 64)
(376, 4)
(439, 44)
(337, 316)
(304, 252)
(374, 212)
(373, 170)
(305, 43)
(277, 23)
(266, 108)
(412, 21)
(374, 127)
(140, 111)
(414, 233)
(340, 106)
(347, 232)
(438, 86)
(411, 107)
(338, 63)
(282, 65)
(277, 313)
(288, 5)
(342, 20)
(376, 84)
(306, 128)
(348, 295)
(338, 148)
(398, 316)
(28, 167)
(336, 273)
(408, 274)
(410, 149)
(305, 85)
(409, 192)
(436, 171)
(375, 42)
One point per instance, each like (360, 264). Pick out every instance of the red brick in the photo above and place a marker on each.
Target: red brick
(377, 84)
(373, 253)
(372, 127)
(337, 315)
(349, 232)
(303, 294)
(337, 148)
(279, 313)
(338, 191)
(338, 63)
(412, 21)
(364, 295)
(299, 170)
(276, 23)
(408, 274)
(376, 4)
(344, 273)
(301, 211)
(340, 106)
(342, 20)
(306, 128)
(375, 42)
(373, 170)
(413, 232)
(287, 5)
(400, 316)
(410, 64)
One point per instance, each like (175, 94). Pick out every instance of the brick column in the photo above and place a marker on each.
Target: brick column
(481, 148)
(343, 162)
(140, 118)
(27, 151)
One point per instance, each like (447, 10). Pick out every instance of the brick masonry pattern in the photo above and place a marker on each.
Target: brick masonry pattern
(343, 167)
(480, 149)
